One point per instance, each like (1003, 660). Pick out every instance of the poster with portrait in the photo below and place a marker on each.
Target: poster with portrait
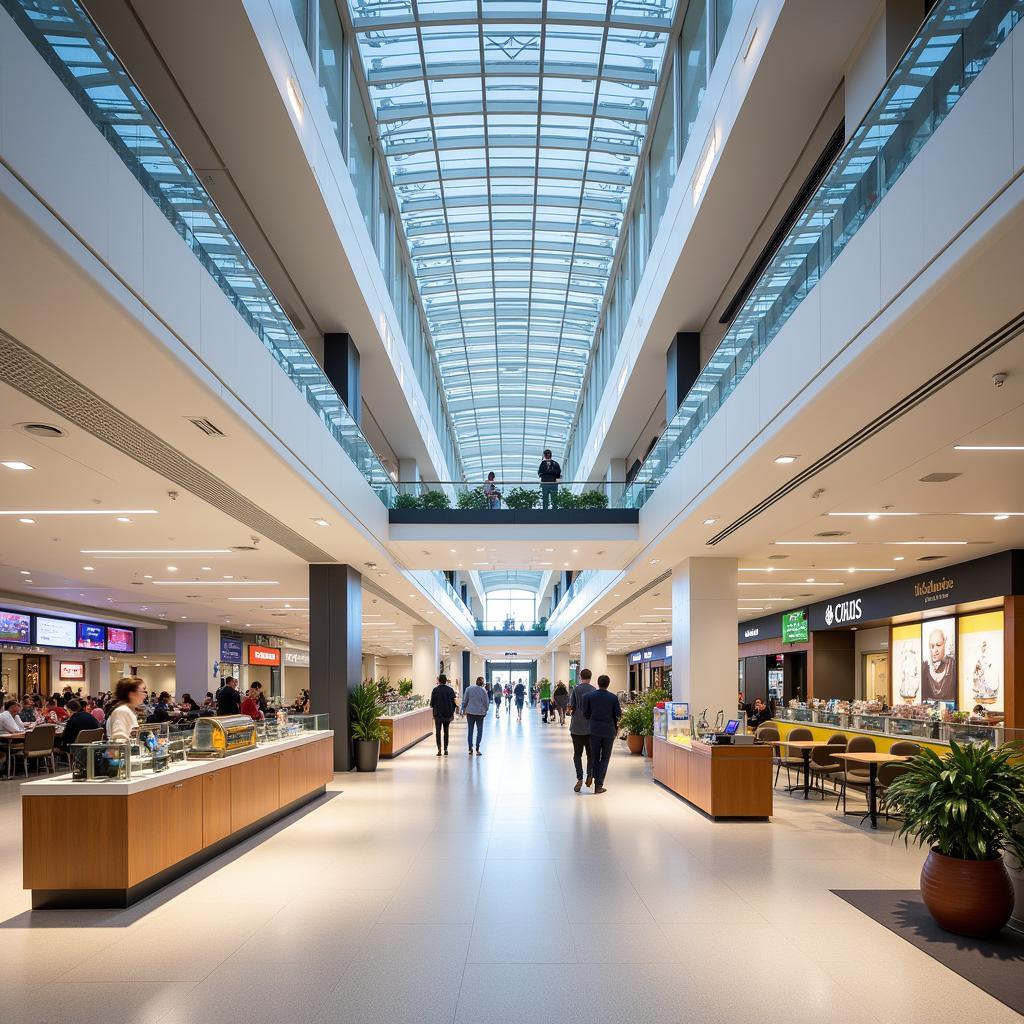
(981, 661)
(906, 664)
(938, 660)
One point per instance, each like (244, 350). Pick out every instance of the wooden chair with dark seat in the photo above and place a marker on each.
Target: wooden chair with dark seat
(85, 736)
(38, 746)
(860, 776)
(787, 761)
(905, 748)
(887, 775)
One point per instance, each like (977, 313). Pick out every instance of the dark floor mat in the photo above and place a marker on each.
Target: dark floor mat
(995, 965)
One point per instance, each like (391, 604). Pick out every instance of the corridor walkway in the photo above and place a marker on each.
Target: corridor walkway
(484, 891)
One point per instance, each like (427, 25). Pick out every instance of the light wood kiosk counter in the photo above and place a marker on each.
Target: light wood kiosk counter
(406, 731)
(111, 843)
(723, 781)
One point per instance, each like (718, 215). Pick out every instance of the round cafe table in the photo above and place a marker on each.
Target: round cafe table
(872, 759)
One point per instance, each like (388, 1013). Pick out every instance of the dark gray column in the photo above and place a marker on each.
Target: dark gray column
(466, 669)
(682, 365)
(335, 648)
(341, 364)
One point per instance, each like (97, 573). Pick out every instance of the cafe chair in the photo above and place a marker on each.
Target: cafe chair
(85, 736)
(788, 762)
(859, 778)
(824, 765)
(887, 775)
(38, 746)
(905, 748)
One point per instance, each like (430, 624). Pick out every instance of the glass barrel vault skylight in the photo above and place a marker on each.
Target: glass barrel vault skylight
(512, 131)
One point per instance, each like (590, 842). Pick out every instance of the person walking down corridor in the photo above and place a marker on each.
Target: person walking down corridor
(561, 701)
(579, 728)
(474, 707)
(549, 472)
(601, 709)
(520, 693)
(442, 703)
(545, 699)
(498, 696)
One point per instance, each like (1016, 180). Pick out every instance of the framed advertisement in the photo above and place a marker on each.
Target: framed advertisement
(981, 661)
(938, 660)
(906, 664)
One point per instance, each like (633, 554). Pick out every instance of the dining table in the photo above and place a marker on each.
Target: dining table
(14, 739)
(805, 747)
(872, 758)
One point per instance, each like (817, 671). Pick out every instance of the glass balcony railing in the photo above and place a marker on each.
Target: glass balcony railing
(69, 42)
(514, 495)
(954, 45)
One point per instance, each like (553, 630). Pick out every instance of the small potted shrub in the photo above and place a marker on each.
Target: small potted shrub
(651, 698)
(366, 709)
(632, 722)
(434, 500)
(406, 501)
(404, 687)
(521, 498)
(967, 807)
(565, 499)
(473, 500)
(592, 499)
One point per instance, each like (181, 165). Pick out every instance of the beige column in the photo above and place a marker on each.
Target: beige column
(594, 651)
(425, 659)
(559, 668)
(704, 598)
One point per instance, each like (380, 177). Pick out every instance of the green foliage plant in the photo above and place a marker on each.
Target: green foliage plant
(592, 499)
(406, 501)
(521, 498)
(435, 500)
(473, 500)
(366, 709)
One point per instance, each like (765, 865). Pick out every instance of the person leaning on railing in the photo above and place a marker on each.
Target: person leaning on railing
(491, 493)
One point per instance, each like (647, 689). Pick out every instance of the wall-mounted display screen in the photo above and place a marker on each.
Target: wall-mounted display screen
(119, 639)
(71, 671)
(55, 632)
(938, 660)
(794, 626)
(92, 636)
(981, 661)
(906, 662)
(15, 628)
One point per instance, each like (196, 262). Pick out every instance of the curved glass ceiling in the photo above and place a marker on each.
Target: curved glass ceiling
(512, 131)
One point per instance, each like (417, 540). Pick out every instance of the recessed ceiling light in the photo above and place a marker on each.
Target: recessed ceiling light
(15, 465)
(710, 521)
(172, 568)
(898, 558)
(88, 568)
(988, 447)
(810, 579)
(654, 561)
(227, 577)
(79, 512)
(206, 568)
(785, 460)
(923, 543)
(25, 572)
(123, 519)
(321, 522)
(873, 516)
(147, 576)
(26, 520)
(999, 518)
(813, 543)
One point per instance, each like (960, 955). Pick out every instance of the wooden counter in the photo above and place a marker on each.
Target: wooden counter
(723, 781)
(109, 844)
(405, 731)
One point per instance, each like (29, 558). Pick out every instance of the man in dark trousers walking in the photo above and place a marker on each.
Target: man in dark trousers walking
(549, 472)
(579, 728)
(601, 709)
(442, 704)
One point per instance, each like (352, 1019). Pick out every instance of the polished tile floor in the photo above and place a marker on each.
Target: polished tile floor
(485, 890)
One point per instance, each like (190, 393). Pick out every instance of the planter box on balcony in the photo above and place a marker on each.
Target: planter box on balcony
(508, 517)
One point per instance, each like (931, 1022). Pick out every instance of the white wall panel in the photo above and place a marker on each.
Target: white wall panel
(1016, 98)
(124, 203)
(785, 368)
(170, 276)
(850, 290)
(742, 412)
(901, 232)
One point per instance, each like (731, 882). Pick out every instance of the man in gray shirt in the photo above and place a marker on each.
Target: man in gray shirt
(579, 728)
(475, 705)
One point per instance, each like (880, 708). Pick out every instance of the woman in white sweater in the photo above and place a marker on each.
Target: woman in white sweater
(129, 693)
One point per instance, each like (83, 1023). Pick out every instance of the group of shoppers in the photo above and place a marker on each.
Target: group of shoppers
(593, 726)
(549, 473)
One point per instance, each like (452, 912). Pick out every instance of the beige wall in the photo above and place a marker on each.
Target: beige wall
(293, 679)
(618, 671)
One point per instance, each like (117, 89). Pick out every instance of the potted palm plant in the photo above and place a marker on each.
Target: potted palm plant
(366, 709)
(632, 722)
(651, 698)
(967, 806)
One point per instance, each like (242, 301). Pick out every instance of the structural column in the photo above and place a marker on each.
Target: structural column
(196, 652)
(559, 667)
(341, 366)
(426, 655)
(616, 481)
(682, 367)
(704, 672)
(476, 669)
(408, 476)
(335, 648)
(594, 651)
(99, 677)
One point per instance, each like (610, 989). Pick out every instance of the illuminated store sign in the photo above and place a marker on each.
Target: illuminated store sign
(264, 656)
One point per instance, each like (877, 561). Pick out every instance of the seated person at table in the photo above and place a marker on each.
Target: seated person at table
(55, 714)
(758, 714)
(162, 709)
(28, 710)
(9, 720)
(251, 704)
(95, 710)
(80, 719)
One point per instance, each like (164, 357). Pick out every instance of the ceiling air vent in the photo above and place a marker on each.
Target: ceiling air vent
(777, 558)
(939, 478)
(42, 430)
(244, 547)
(931, 558)
(833, 533)
(209, 428)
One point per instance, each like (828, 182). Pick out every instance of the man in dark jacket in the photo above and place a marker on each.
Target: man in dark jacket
(78, 721)
(549, 472)
(229, 700)
(601, 709)
(579, 728)
(442, 703)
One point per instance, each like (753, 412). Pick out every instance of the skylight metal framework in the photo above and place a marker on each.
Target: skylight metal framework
(512, 130)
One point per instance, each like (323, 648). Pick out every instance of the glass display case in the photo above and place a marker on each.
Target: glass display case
(216, 737)
(672, 720)
(402, 707)
(310, 723)
(94, 762)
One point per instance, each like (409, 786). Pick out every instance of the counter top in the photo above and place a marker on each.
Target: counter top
(62, 785)
(404, 714)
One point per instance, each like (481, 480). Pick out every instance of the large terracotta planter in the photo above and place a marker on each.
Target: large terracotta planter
(635, 743)
(967, 897)
(649, 746)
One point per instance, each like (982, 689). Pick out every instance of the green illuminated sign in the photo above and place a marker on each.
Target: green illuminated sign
(794, 627)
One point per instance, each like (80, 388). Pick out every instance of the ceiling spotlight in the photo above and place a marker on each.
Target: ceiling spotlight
(999, 518)
(25, 519)
(810, 579)
(123, 519)
(206, 568)
(172, 568)
(785, 460)
(873, 517)
(710, 521)
(147, 577)
(15, 465)
(87, 568)
(898, 558)
(321, 522)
